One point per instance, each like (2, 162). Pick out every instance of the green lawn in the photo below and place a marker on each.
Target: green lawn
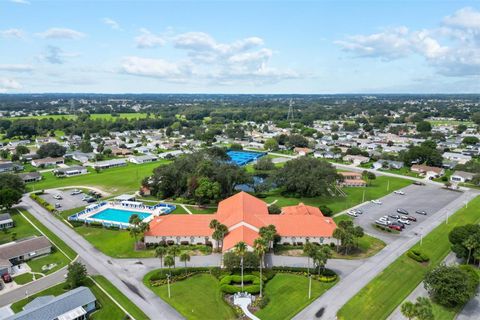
(197, 297)
(378, 188)
(120, 298)
(108, 309)
(115, 180)
(389, 289)
(288, 295)
(25, 278)
(22, 229)
(56, 257)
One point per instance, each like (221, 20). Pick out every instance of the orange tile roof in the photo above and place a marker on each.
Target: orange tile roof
(301, 209)
(301, 226)
(181, 225)
(241, 207)
(238, 234)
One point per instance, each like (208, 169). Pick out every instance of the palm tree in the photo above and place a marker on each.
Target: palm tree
(338, 234)
(173, 251)
(309, 250)
(321, 257)
(408, 310)
(160, 252)
(169, 261)
(260, 246)
(476, 256)
(240, 249)
(223, 231)
(470, 243)
(268, 233)
(214, 224)
(134, 221)
(184, 257)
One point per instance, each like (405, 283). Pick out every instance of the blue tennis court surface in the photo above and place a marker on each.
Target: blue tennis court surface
(117, 215)
(241, 158)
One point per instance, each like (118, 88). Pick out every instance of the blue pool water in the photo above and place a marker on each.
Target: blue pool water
(117, 215)
(241, 158)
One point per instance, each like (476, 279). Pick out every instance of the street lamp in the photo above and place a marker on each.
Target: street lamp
(309, 287)
(168, 284)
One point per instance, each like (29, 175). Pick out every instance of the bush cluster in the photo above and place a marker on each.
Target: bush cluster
(418, 255)
(326, 275)
(226, 285)
(42, 202)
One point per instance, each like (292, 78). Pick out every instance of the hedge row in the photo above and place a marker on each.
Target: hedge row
(42, 202)
(238, 279)
(418, 255)
(231, 289)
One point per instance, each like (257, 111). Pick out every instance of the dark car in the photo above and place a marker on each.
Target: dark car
(394, 216)
(422, 212)
(6, 278)
(411, 218)
(395, 227)
(90, 200)
(398, 223)
(418, 183)
(402, 211)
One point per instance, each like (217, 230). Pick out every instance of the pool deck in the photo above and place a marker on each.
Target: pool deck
(153, 211)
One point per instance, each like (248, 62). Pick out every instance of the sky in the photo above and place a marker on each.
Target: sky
(318, 47)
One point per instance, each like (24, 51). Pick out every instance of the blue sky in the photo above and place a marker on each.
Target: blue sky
(240, 47)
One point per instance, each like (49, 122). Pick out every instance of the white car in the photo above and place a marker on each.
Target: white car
(404, 221)
(352, 213)
(75, 192)
(376, 201)
(381, 222)
(400, 192)
(384, 219)
(58, 197)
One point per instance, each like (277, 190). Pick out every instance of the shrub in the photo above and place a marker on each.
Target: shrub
(327, 212)
(418, 256)
(261, 302)
(274, 209)
(76, 224)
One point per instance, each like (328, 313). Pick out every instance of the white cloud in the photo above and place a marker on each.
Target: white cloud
(156, 68)
(9, 84)
(148, 40)
(111, 23)
(20, 1)
(12, 33)
(16, 67)
(62, 33)
(467, 18)
(244, 60)
(452, 49)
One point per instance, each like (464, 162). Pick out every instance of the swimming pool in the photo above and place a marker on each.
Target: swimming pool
(241, 158)
(117, 215)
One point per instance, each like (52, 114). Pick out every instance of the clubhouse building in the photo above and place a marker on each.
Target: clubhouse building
(244, 215)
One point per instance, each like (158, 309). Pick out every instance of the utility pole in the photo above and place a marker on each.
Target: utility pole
(168, 284)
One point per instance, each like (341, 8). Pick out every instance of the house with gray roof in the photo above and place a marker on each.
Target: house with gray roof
(30, 176)
(75, 304)
(461, 176)
(6, 221)
(17, 252)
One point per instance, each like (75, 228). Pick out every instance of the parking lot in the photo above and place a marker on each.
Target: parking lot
(67, 202)
(429, 198)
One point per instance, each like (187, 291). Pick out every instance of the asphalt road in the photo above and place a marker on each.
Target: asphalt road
(132, 288)
(348, 286)
(429, 198)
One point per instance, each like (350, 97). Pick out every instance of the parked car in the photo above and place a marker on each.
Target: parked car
(401, 225)
(422, 212)
(404, 221)
(376, 201)
(402, 211)
(411, 218)
(395, 227)
(418, 183)
(357, 211)
(394, 216)
(6, 278)
(400, 192)
(75, 192)
(384, 219)
(58, 197)
(58, 205)
(90, 200)
(382, 223)
(352, 213)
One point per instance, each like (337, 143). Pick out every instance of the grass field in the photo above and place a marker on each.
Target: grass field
(376, 189)
(389, 289)
(197, 297)
(288, 295)
(120, 298)
(105, 116)
(26, 278)
(108, 309)
(22, 229)
(56, 257)
(115, 180)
